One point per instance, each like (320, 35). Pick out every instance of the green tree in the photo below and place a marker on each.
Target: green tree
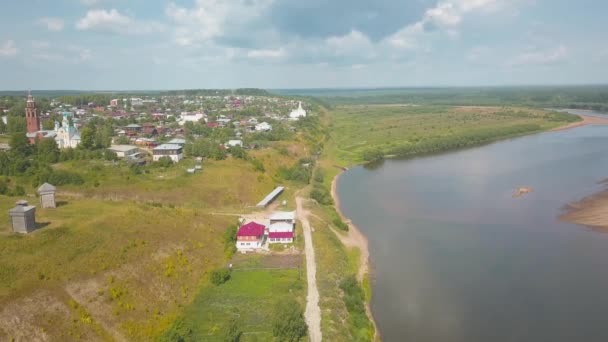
(373, 154)
(47, 150)
(288, 323)
(238, 152)
(165, 161)
(20, 144)
(87, 138)
(219, 276)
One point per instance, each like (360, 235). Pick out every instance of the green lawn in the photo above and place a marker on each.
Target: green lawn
(249, 298)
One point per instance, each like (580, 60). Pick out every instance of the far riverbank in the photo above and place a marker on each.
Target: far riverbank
(587, 120)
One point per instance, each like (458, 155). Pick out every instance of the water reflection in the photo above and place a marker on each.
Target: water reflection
(457, 258)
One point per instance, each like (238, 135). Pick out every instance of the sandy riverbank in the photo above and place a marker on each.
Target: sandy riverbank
(354, 238)
(591, 211)
(587, 120)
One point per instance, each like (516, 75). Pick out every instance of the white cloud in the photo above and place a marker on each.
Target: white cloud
(8, 49)
(262, 53)
(52, 24)
(407, 37)
(540, 57)
(355, 41)
(113, 21)
(209, 19)
(40, 44)
(446, 15)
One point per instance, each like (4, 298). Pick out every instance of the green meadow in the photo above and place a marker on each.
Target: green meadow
(364, 132)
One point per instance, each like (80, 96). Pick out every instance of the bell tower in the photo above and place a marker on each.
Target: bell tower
(31, 115)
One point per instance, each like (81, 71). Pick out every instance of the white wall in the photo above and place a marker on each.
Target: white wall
(282, 240)
(244, 245)
(175, 157)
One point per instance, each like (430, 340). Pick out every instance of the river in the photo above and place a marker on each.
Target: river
(456, 258)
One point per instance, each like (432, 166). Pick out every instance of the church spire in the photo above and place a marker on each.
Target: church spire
(31, 114)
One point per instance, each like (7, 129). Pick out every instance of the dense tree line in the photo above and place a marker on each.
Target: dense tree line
(35, 160)
(477, 137)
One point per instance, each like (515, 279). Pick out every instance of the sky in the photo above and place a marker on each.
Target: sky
(180, 44)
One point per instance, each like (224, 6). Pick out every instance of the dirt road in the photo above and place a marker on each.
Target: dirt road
(312, 314)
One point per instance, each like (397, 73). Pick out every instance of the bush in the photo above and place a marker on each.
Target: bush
(165, 161)
(354, 299)
(220, 276)
(230, 241)
(233, 332)
(340, 224)
(19, 191)
(321, 195)
(319, 177)
(110, 155)
(288, 323)
(257, 165)
(372, 155)
(238, 152)
(179, 332)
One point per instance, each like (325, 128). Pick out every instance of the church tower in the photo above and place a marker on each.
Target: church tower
(31, 115)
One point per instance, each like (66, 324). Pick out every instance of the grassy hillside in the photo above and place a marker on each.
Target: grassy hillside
(408, 130)
(127, 251)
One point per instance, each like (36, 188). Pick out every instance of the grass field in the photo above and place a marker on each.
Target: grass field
(248, 297)
(129, 265)
(125, 253)
(408, 130)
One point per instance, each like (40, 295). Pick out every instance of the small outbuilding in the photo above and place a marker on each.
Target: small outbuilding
(23, 217)
(47, 195)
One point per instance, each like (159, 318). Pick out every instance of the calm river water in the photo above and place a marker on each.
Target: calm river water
(456, 258)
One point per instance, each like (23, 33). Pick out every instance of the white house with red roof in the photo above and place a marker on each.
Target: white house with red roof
(250, 236)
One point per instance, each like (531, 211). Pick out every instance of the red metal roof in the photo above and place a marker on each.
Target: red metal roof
(251, 229)
(280, 235)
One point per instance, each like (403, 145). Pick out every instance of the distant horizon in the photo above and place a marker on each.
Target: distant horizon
(438, 87)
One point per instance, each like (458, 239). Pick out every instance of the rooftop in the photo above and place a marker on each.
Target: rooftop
(168, 147)
(284, 235)
(251, 229)
(122, 148)
(283, 215)
(177, 141)
(46, 187)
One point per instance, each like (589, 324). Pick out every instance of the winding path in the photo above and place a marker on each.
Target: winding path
(312, 314)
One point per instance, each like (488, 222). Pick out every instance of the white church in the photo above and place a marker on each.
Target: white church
(297, 113)
(65, 133)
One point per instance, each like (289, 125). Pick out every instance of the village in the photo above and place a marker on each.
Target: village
(213, 181)
(149, 128)
(160, 135)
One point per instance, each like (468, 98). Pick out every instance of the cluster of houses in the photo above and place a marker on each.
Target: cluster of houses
(279, 229)
(135, 141)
